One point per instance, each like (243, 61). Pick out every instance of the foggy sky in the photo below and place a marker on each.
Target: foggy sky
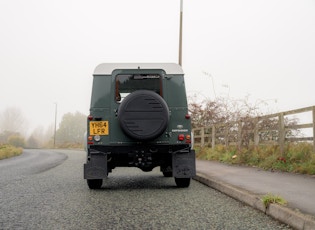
(49, 49)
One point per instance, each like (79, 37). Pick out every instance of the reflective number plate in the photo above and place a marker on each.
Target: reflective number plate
(98, 127)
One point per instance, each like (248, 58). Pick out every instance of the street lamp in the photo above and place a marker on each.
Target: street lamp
(55, 124)
(180, 33)
(209, 75)
(228, 87)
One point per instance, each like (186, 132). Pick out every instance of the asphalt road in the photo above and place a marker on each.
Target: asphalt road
(44, 189)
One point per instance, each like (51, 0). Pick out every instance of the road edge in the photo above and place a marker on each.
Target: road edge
(283, 214)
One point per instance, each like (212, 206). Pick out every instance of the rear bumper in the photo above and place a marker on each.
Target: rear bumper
(102, 159)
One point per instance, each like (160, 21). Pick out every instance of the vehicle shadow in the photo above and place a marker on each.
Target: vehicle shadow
(143, 182)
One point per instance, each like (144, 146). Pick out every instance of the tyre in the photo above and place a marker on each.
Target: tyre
(182, 182)
(143, 115)
(95, 183)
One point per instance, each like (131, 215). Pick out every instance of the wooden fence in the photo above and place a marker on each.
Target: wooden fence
(254, 131)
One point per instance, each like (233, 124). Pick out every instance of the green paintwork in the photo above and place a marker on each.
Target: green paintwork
(104, 105)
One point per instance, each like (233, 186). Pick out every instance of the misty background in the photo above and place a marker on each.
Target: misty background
(263, 50)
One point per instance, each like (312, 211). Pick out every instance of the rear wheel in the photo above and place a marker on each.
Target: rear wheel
(95, 183)
(182, 182)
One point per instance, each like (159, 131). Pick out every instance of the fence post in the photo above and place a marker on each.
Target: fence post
(226, 135)
(256, 131)
(281, 132)
(202, 138)
(213, 137)
(314, 128)
(239, 135)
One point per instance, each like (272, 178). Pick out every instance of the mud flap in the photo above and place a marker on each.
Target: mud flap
(184, 164)
(96, 168)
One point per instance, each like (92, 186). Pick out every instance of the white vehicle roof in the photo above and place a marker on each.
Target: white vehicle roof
(108, 68)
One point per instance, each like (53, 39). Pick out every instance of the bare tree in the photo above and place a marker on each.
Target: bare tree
(207, 112)
(237, 121)
(37, 138)
(12, 120)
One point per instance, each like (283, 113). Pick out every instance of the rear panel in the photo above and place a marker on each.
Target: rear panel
(110, 90)
(125, 82)
(175, 95)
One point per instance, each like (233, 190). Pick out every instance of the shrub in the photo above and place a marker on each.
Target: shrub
(16, 140)
(7, 151)
(273, 199)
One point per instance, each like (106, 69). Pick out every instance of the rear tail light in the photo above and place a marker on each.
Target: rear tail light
(188, 139)
(187, 116)
(90, 140)
(181, 137)
(90, 117)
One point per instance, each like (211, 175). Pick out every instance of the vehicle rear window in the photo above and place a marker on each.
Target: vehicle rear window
(126, 84)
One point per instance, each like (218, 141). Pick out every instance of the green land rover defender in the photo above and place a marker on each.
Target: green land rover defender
(139, 118)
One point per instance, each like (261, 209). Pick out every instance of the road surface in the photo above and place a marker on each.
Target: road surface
(44, 189)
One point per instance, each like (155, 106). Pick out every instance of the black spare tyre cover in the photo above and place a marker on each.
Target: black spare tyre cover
(143, 115)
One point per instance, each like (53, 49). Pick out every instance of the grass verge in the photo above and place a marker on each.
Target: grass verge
(7, 151)
(296, 158)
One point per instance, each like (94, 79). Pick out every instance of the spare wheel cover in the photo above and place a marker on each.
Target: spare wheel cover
(143, 115)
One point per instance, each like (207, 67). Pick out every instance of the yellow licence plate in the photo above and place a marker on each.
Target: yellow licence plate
(98, 127)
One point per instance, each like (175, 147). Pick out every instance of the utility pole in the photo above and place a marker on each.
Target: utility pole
(180, 33)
